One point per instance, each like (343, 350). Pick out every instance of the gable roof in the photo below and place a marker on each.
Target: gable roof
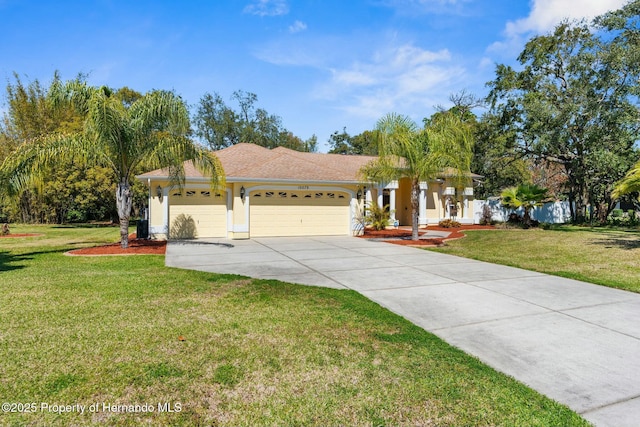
(244, 162)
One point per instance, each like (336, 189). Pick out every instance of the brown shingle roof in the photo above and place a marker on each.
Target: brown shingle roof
(249, 161)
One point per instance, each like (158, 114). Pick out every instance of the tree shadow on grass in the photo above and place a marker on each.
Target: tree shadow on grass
(10, 261)
(622, 242)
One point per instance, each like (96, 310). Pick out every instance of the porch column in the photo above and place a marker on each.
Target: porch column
(422, 204)
(380, 199)
(368, 198)
(465, 206)
(165, 211)
(468, 192)
(393, 186)
(392, 203)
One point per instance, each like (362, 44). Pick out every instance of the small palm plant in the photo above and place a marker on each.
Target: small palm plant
(378, 217)
(527, 196)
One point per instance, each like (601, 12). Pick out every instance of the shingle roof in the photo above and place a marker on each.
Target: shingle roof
(249, 161)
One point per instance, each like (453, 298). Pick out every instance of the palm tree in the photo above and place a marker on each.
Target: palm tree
(629, 184)
(420, 154)
(526, 196)
(127, 136)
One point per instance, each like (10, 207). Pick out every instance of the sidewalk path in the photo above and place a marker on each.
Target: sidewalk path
(575, 342)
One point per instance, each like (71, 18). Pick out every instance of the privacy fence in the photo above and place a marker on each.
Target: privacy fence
(552, 213)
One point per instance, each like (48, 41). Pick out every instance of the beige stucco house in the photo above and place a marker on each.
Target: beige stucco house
(281, 192)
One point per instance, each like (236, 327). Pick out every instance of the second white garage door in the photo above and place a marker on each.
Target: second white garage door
(298, 213)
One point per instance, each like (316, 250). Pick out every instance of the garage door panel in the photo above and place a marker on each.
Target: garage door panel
(308, 214)
(197, 214)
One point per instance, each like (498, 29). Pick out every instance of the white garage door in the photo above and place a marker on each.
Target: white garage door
(298, 213)
(197, 213)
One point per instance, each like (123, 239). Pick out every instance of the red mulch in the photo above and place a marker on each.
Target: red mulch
(456, 233)
(20, 235)
(136, 247)
(388, 233)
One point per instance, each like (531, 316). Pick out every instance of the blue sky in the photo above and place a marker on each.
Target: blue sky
(320, 65)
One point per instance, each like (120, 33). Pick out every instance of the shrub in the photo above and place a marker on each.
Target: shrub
(75, 215)
(449, 223)
(617, 218)
(486, 217)
(378, 217)
(517, 221)
(5, 230)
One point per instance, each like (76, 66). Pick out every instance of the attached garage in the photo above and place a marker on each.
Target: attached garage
(298, 213)
(197, 213)
(266, 192)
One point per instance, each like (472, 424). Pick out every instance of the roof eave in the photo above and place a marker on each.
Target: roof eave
(231, 179)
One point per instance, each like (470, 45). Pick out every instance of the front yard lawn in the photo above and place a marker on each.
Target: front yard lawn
(609, 257)
(118, 335)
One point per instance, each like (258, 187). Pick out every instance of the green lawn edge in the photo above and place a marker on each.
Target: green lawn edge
(603, 256)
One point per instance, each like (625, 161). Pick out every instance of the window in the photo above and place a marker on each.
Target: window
(191, 193)
(331, 195)
(340, 196)
(282, 194)
(294, 196)
(205, 193)
(307, 196)
(218, 195)
(257, 195)
(319, 195)
(268, 194)
(177, 194)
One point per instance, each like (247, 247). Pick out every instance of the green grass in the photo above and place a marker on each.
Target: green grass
(604, 256)
(105, 331)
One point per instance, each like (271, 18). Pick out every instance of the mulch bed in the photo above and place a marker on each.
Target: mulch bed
(402, 236)
(136, 247)
(6, 236)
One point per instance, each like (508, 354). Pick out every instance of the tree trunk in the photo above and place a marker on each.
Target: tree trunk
(526, 218)
(123, 203)
(572, 210)
(581, 207)
(415, 210)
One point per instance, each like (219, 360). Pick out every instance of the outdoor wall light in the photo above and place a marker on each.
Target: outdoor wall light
(159, 193)
(359, 194)
(243, 193)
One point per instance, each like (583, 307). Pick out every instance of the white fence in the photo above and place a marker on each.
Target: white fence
(552, 212)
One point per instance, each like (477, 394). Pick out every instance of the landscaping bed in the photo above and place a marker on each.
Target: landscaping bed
(136, 247)
(402, 236)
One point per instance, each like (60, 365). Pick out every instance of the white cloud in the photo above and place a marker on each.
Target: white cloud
(543, 17)
(297, 27)
(267, 7)
(405, 78)
(546, 14)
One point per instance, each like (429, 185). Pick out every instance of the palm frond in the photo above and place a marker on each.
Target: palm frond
(28, 163)
(629, 184)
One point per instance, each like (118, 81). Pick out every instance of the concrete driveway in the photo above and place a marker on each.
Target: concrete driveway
(574, 342)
